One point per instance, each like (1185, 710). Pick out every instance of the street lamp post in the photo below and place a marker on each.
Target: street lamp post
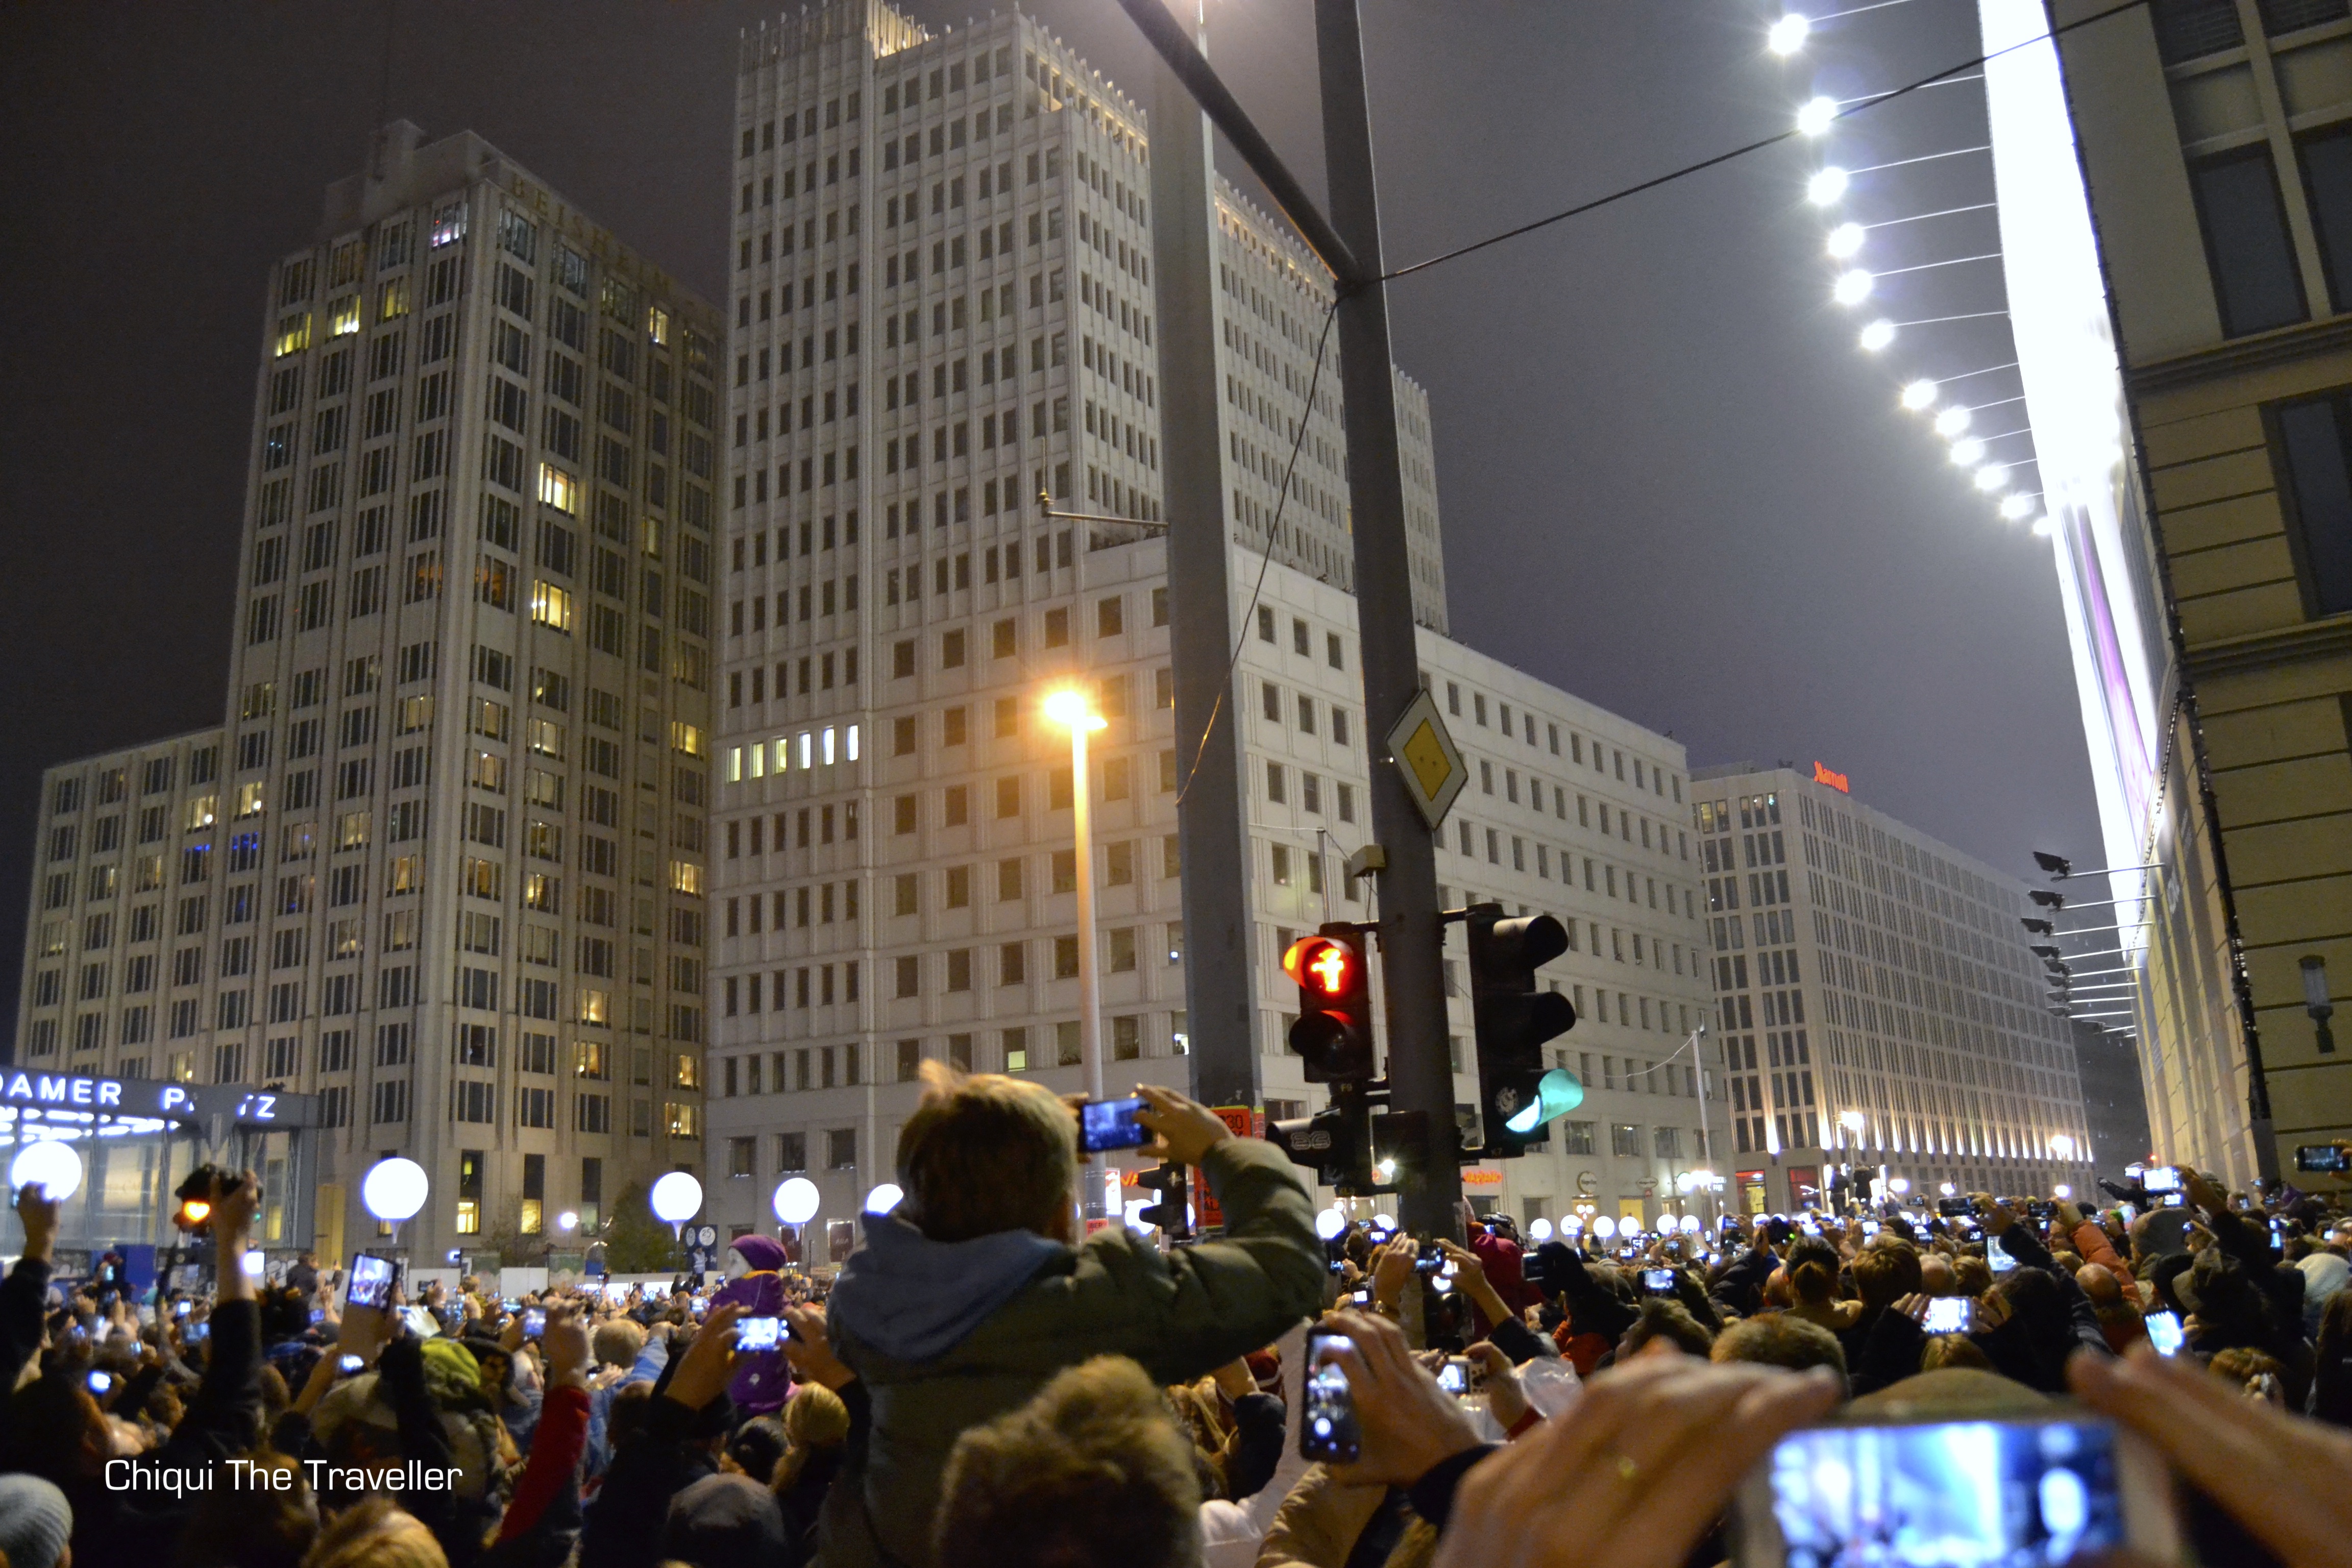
(1070, 708)
(1850, 1126)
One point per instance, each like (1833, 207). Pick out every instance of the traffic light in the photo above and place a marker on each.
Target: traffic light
(1334, 1031)
(1172, 1212)
(1516, 1095)
(1331, 1144)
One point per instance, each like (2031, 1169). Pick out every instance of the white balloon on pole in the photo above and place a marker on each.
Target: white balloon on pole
(796, 1201)
(394, 1190)
(56, 1165)
(677, 1198)
(883, 1198)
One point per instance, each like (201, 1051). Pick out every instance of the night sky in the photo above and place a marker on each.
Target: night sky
(1670, 482)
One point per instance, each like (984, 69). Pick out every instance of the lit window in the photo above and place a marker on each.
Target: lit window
(546, 737)
(686, 737)
(293, 332)
(805, 742)
(827, 747)
(200, 812)
(657, 323)
(686, 877)
(550, 605)
(850, 748)
(450, 224)
(392, 299)
(469, 1217)
(596, 1007)
(558, 489)
(683, 1120)
(735, 763)
(344, 316)
(249, 800)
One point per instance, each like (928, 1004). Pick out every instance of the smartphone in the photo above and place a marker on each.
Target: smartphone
(182, 1309)
(318, 1315)
(2329, 1158)
(196, 1334)
(1946, 1315)
(1658, 1281)
(1361, 1297)
(349, 1364)
(1430, 1259)
(101, 1383)
(758, 1333)
(371, 1280)
(2161, 1179)
(534, 1323)
(513, 1303)
(1328, 1430)
(1870, 1227)
(1996, 1258)
(1951, 1208)
(1111, 1124)
(1454, 1376)
(2047, 1488)
(2164, 1332)
(701, 1305)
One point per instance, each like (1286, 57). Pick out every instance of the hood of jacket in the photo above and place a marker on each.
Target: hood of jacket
(914, 1298)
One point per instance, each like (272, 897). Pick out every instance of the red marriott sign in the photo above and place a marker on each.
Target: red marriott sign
(1822, 775)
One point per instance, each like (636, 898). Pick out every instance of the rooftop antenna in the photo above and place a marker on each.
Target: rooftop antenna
(384, 91)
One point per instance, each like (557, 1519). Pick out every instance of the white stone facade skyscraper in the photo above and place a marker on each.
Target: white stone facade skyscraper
(443, 864)
(944, 305)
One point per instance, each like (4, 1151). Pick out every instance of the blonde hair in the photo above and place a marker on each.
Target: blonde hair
(376, 1534)
(986, 1154)
(1091, 1471)
(815, 1418)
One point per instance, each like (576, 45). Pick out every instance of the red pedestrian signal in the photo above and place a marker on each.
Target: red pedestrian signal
(1334, 1031)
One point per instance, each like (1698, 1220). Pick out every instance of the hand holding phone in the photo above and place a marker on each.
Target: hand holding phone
(1945, 1315)
(1330, 1431)
(1111, 1124)
(370, 1281)
(534, 1323)
(2164, 1332)
(757, 1334)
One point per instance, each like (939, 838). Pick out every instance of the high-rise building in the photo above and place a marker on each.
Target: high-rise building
(2176, 192)
(443, 866)
(1881, 1007)
(943, 306)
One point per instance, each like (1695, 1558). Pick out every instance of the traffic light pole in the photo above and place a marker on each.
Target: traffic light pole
(1421, 1074)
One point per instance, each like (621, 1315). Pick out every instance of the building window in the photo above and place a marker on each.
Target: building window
(2256, 283)
(2327, 189)
(2311, 449)
(1625, 1140)
(841, 1149)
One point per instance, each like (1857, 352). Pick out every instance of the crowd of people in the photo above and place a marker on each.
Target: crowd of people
(983, 1383)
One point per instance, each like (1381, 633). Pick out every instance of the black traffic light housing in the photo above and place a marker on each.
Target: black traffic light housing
(1334, 1031)
(1514, 1017)
(1172, 1212)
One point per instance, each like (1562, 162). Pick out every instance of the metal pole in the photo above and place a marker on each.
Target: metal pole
(1220, 995)
(1089, 984)
(1706, 1133)
(1421, 1077)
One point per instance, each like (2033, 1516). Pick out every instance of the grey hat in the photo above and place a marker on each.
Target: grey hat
(36, 1522)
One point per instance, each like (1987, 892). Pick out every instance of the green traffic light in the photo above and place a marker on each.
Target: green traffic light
(1559, 1093)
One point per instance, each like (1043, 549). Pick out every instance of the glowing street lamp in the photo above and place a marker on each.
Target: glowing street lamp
(2017, 509)
(1826, 186)
(796, 1201)
(1815, 115)
(1991, 477)
(1787, 34)
(1852, 287)
(1070, 708)
(1919, 395)
(393, 1191)
(1845, 240)
(1968, 452)
(1952, 421)
(1877, 335)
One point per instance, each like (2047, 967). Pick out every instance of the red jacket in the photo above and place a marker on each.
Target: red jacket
(555, 1449)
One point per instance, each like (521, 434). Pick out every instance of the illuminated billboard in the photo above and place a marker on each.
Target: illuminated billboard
(2082, 436)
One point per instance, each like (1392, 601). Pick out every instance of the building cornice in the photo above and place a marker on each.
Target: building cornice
(2299, 643)
(2241, 357)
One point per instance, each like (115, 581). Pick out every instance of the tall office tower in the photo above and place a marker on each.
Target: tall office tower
(448, 871)
(943, 308)
(1881, 1007)
(2176, 208)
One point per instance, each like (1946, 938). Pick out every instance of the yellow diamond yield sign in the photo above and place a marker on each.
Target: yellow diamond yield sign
(1427, 758)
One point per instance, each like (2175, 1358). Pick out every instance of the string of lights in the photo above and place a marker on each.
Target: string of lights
(1785, 36)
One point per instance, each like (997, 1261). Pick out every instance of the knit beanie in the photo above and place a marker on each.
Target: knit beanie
(36, 1522)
